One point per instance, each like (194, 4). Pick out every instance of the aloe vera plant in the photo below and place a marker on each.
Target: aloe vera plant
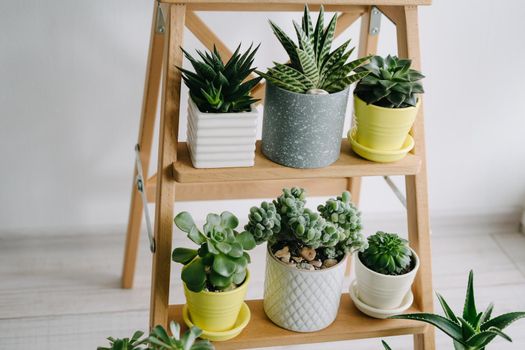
(136, 342)
(473, 330)
(218, 87)
(312, 65)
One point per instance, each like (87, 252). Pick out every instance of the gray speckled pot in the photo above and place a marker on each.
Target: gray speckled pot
(303, 131)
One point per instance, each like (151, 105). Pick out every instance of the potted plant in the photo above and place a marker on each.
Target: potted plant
(222, 119)
(306, 256)
(385, 107)
(160, 340)
(215, 276)
(385, 271)
(306, 99)
(472, 330)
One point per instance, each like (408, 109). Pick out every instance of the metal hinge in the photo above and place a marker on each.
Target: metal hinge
(375, 21)
(160, 23)
(141, 187)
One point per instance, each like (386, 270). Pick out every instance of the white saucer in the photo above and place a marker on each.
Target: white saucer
(379, 313)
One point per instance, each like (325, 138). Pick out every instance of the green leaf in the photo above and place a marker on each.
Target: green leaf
(196, 236)
(239, 277)
(288, 79)
(202, 345)
(229, 220)
(223, 247)
(294, 74)
(175, 330)
(183, 255)
(326, 41)
(467, 328)
(194, 275)
(345, 82)
(286, 42)
(469, 309)
(448, 327)
(219, 281)
(308, 66)
(236, 251)
(482, 339)
(246, 240)
(213, 219)
(224, 265)
(487, 313)
(502, 321)
(189, 337)
(184, 221)
(318, 31)
(280, 83)
(306, 45)
(448, 311)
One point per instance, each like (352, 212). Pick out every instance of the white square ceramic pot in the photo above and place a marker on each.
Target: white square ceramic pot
(383, 291)
(221, 140)
(302, 300)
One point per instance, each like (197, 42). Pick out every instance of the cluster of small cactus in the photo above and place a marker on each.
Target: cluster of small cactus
(221, 261)
(390, 83)
(334, 230)
(387, 253)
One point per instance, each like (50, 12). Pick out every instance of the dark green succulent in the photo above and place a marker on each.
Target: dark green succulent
(160, 340)
(387, 253)
(134, 343)
(216, 87)
(312, 65)
(301, 227)
(390, 83)
(263, 222)
(473, 330)
(221, 261)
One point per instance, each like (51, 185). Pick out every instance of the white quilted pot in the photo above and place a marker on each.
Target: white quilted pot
(383, 291)
(221, 140)
(302, 300)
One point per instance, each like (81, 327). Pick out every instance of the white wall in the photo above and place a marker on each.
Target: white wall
(71, 78)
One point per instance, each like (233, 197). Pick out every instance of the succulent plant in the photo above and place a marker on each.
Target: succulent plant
(301, 227)
(263, 222)
(312, 66)
(216, 87)
(221, 261)
(391, 82)
(160, 340)
(387, 253)
(472, 330)
(134, 343)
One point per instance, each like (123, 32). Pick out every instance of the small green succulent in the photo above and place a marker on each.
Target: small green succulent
(221, 261)
(263, 222)
(390, 83)
(218, 87)
(160, 340)
(134, 343)
(387, 253)
(473, 330)
(297, 226)
(312, 65)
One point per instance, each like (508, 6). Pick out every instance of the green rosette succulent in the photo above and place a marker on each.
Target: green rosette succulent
(221, 261)
(263, 222)
(390, 83)
(387, 253)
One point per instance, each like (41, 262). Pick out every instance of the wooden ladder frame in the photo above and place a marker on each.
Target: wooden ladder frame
(165, 55)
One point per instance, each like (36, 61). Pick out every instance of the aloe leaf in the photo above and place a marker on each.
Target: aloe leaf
(295, 74)
(307, 25)
(287, 43)
(345, 82)
(306, 45)
(469, 309)
(447, 326)
(482, 339)
(308, 66)
(318, 31)
(335, 57)
(467, 328)
(487, 313)
(280, 83)
(326, 41)
(502, 321)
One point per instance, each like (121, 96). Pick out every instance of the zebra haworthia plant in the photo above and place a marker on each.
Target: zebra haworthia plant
(312, 65)
(473, 330)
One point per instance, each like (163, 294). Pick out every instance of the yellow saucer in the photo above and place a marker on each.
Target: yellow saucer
(377, 155)
(240, 324)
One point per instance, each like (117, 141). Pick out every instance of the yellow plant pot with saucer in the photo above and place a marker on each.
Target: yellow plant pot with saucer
(216, 311)
(377, 155)
(380, 128)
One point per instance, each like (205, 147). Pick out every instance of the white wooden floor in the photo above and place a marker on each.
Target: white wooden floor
(62, 291)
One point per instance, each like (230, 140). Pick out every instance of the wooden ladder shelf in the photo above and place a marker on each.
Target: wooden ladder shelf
(177, 180)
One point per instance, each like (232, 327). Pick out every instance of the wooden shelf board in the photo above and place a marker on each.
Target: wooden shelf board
(348, 165)
(349, 324)
(302, 2)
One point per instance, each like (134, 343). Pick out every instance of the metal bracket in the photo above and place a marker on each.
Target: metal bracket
(375, 21)
(142, 190)
(160, 27)
(396, 190)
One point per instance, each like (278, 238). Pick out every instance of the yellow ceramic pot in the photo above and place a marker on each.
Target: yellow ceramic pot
(216, 311)
(382, 128)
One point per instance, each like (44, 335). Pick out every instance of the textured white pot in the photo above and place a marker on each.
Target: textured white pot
(302, 300)
(383, 291)
(220, 140)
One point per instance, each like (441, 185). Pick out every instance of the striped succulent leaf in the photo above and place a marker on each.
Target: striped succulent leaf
(312, 65)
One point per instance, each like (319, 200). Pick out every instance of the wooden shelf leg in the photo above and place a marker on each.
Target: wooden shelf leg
(145, 140)
(416, 185)
(168, 135)
(367, 45)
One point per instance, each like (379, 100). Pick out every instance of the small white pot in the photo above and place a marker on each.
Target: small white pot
(383, 291)
(221, 140)
(302, 300)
